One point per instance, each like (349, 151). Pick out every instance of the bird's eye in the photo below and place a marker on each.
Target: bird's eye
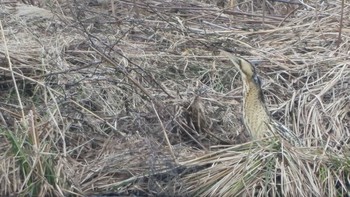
(256, 80)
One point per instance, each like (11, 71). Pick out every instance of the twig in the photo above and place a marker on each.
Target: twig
(289, 1)
(341, 24)
(165, 134)
(11, 70)
(137, 84)
(287, 16)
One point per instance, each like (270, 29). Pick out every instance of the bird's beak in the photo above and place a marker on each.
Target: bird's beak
(235, 60)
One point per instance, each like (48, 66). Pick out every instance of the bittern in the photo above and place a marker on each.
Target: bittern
(256, 116)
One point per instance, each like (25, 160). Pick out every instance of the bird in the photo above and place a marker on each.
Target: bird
(256, 117)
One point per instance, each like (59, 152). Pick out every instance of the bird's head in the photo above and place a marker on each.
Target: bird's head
(246, 68)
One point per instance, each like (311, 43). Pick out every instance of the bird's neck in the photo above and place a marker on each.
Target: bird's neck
(253, 93)
(256, 115)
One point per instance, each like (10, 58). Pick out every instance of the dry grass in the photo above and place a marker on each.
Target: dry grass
(134, 99)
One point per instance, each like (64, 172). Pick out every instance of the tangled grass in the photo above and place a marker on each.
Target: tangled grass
(134, 98)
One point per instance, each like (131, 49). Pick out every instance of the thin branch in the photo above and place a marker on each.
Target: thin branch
(341, 24)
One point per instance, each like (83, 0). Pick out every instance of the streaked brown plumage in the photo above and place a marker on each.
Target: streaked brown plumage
(257, 118)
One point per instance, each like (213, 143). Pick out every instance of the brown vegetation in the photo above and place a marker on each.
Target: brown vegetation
(132, 97)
